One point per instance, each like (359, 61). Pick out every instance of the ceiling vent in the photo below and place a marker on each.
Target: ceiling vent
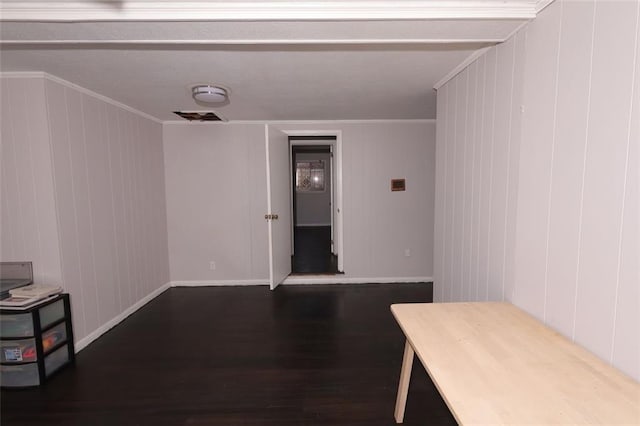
(199, 115)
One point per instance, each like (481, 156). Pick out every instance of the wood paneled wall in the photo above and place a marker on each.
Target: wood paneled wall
(89, 186)
(216, 200)
(537, 177)
(28, 230)
(477, 158)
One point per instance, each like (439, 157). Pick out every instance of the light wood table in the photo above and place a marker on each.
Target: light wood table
(495, 364)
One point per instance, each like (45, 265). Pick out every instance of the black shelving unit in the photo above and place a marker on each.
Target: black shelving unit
(35, 342)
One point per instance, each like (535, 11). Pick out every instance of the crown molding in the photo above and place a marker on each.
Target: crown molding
(475, 55)
(541, 4)
(250, 42)
(87, 11)
(50, 77)
(304, 122)
(461, 66)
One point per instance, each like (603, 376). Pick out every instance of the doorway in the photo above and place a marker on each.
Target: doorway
(313, 180)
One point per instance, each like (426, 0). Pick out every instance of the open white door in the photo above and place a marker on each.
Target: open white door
(278, 210)
(332, 207)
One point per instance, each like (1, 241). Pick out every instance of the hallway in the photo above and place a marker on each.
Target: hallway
(313, 251)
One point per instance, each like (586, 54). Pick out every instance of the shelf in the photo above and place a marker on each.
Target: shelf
(35, 342)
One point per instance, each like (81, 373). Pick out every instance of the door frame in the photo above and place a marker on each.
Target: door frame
(337, 212)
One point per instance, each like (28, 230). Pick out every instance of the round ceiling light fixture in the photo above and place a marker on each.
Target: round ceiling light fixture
(209, 94)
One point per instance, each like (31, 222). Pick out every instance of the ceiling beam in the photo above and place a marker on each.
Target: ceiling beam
(230, 43)
(92, 11)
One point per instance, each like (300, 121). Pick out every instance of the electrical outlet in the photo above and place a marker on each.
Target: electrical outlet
(407, 253)
(212, 265)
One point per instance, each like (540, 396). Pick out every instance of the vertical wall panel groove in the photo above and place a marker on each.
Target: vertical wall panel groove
(123, 142)
(19, 242)
(9, 198)
(508, 174)
(474, 74)
(458, 212)
(468, 192)
(499, 162)
(514, 161)
(450, 141)
(89, 207)
(75, 262)
(445, 182)
(551, 174)
(491, 172)
(464, 169)
(584, 168)
(454, 172)
(33, 209)
(483, 63)
(55, 254)
(110, 129)
(439, 204)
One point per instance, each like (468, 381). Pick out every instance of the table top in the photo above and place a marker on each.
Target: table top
(495, 364)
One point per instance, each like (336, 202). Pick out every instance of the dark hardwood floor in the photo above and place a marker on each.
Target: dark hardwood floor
(301, 355)
(313, 251)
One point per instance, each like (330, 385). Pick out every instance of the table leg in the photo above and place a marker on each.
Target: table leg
(403, 386)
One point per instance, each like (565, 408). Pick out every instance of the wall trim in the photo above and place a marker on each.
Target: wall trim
(47, 76)
(298, 122)
(462, 65)
(300, 279)
(250, 42)
(475, 55)
(217, 283)
(78, 11)
(518, 28)
(542, 4)
(87, 340)
(341, 279)
(22, 74)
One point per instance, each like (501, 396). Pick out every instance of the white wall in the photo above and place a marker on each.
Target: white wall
(537, 177)
(477, 165)
(216, 201)
(90, 191)
(216, 198)
(28, 230)
(314, 208)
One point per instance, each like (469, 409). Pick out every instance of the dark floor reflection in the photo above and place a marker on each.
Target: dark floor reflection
(313, 251)
(242, 356)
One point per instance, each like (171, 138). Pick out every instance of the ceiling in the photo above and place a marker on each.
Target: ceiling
(281, 60)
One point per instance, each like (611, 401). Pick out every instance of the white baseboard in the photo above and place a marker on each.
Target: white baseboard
(85, 341)
(212, 283)
(339, 279)
(304, 279)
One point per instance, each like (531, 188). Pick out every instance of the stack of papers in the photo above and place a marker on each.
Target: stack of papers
(27, 296)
